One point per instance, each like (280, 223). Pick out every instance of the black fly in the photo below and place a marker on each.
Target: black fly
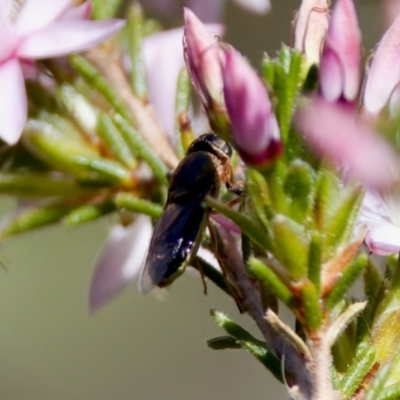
(205, 167)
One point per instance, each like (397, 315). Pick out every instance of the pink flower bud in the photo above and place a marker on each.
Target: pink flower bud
(254, 127)
(311, 25)
(340, 63)
(203, 59)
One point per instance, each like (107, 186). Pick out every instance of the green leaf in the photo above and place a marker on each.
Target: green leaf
(185, 138)
(357, 371)
(374, 391)
(270, 281)
(259, 193)
(291, 246)
(41, 185)
(374, 290)
(135, 37)
(315, 260)
(252, 229)
(326, 193)
(223, 343)
(89, 212)
(70, 155)
(115, 141)
(268, 69)
(299, 185)
(93, 77)
(349, 276)
(247, 341)
(340, 226)
(284, 331)
(284, 76)
(275, 176)
(34, 218)
(137, 205)
(342, 321)
(312, 309)
(391, 392)
(141, 148)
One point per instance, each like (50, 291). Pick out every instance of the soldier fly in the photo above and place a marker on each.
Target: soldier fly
(177, 233)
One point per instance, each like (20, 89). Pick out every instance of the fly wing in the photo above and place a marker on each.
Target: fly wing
(172, 242)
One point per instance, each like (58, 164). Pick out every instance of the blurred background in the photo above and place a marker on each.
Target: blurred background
(137, 347)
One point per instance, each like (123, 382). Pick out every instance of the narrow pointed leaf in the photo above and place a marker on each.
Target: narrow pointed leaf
(70, 155)
(252, 229)
(270, 281)
(374, 391)
(315, 260)
(391, 392)
(248, 342)
(259, 193)
(182, 139)
(349, 276)
(341, 225)
(135, 37)
(299, 185)
(34, 218)
(343, 320)
(115, 141)
(97, 81)
(268, 69)
(89, 212)
(223, 343)
(357, 371)
(326, 191)
(137, 205)
(40, 185)
(312, 309)
(291, 247)
(141, 148)
(285, 331)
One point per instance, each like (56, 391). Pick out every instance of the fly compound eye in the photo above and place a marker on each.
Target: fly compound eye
(210, 142)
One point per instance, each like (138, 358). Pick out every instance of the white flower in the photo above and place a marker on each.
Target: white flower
(40, 29)
(381, 214)
(120, 261)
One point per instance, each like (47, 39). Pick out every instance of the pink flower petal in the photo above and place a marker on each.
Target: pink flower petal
(343, 40)
(120, 261)
(36, 14)
(82, 11)
(383, 239)
(373, 209)
(254, 127)
(346, 38)
(67, 36)
(203, 58)
(384, 73)
(337, 134)
(331, 75)
(13, 106)
(256, 6)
